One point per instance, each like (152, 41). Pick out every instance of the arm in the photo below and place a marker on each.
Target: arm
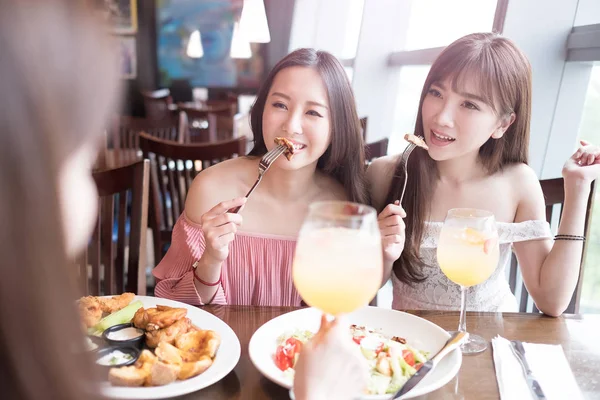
(174, 274)
(201, 238)
(550, 271)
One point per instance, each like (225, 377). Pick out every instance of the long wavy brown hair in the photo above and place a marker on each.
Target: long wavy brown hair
(344, 159)
(503, 75)
(58, 79)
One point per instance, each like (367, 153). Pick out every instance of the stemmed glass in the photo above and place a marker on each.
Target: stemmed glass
(468, 255)
(338, 264)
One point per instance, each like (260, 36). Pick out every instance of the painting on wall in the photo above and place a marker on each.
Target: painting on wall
(178, 22)
(127, 57)
(122, 15)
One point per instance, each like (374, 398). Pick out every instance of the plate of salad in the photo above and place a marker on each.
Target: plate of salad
(395, 344)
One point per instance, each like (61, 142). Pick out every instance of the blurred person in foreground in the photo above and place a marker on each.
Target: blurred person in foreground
(58, 80)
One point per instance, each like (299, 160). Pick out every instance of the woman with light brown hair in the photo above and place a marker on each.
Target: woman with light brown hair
(474, 115)
(58, 82)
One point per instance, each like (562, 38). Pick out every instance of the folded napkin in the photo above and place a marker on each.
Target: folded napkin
(548, 364)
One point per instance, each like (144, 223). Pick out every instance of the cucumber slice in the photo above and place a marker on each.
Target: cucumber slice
(122, 316)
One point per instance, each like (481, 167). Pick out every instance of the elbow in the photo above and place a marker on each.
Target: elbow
(553, 312)
(552, 309)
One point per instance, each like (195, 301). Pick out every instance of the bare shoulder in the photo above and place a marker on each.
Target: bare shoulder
(379, 178)
(523, 179)
(329, 189)
(220, 182)
(528, 192)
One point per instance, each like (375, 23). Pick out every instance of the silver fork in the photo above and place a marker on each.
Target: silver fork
(404, 161)
(265, 163)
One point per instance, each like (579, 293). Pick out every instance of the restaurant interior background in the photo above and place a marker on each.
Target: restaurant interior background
(387, 47)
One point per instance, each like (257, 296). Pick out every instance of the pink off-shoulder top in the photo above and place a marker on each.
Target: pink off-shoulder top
(258, 270)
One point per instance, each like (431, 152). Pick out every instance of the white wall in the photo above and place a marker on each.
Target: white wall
(543, 37)
(383, 29)
(324, 25)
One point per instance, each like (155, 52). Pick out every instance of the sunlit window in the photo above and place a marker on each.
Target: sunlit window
(412, 78)
(590, 130)
(437, 23)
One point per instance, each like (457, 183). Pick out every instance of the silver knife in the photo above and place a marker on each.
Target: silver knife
(534, 385)
(455, 340)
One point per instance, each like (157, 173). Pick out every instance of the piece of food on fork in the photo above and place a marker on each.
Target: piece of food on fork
(416, 140)
(290, 150)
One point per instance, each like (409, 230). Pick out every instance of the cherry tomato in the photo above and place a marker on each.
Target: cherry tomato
(358, 339)
(291, 347)
(281, 360)
(408, 357)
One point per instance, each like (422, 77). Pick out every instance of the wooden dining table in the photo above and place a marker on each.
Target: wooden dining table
(579, 336)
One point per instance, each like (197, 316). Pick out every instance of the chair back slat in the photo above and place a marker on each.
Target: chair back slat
(122, 241)
(94, 257)
(173, 168)
(107, 213)
(376, 149)
(118, 263)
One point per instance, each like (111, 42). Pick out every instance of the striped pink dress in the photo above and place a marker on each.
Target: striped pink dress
(258, 270)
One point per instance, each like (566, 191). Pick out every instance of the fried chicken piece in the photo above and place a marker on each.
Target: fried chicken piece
(162, 374)
(189, 363)
(140, 318)
(115, 303)
(153, 319)
(133, 375)
(418, 140)
(196, 344)
(168, 353)
(289, 153)
(191, 369)
(169, 334)
(90, 310)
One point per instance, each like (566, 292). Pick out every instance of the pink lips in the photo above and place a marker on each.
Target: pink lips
(437, 142)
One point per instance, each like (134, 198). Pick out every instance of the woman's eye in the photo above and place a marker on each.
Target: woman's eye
(434, 92)
(314, 113)
(280, 105)
(470, 106)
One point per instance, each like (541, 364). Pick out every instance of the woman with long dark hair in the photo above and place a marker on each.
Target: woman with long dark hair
(217, 256)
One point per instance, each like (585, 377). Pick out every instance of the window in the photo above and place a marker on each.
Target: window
(590, 130)
(437, 23)
(412, 78)
(588, 12)
(352, 34)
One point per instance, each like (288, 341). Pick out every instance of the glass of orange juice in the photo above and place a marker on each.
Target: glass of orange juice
(468, 255)
(338, 263)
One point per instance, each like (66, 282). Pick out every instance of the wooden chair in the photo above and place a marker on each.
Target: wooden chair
(110, 258)
(363, 125)
(207, 124)
(376, 149)
(124, 135)
(157, 104)
(173, 167)
(554, 196)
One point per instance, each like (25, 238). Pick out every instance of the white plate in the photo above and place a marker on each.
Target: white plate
(226, 359)
(418, 332)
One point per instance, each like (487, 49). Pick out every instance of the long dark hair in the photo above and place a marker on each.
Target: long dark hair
(503, 74)
(57, 79)
(344, 160)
